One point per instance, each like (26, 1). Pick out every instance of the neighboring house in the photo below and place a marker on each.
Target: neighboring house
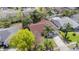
(38, 29)
(60, 9)
(75, 17)
(72, 8)
(7, 12)
(27, 11)
(60, 22)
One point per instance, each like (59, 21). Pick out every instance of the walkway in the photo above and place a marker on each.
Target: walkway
(61, 45)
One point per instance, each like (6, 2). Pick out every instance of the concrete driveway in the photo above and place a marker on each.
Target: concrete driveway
(61, 45)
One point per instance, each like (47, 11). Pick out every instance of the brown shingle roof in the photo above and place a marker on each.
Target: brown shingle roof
(38, 28)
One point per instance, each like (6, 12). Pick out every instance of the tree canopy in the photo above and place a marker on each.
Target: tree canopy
(22, 40)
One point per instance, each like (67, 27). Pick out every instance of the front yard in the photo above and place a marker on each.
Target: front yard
(72, 36)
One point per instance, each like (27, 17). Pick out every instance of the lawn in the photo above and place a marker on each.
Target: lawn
(72, 38)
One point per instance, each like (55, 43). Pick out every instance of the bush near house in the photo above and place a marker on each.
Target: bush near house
(22, 40)
(46, 44)
(49, 44)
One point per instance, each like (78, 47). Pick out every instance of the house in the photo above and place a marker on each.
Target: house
(60, 9)
(60, 22)
(71, 8)
(38, 29)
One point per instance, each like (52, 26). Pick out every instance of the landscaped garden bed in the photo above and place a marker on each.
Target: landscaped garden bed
(47, 44)
(51, 39)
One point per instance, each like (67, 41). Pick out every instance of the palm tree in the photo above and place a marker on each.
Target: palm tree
(68, 28)
(47, 29)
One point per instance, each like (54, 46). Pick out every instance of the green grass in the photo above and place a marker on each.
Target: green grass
(71, 37)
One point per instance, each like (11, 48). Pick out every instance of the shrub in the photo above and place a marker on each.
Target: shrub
(4, 23)
(14, 19)
(69, 12)
(22, 40)
(41, 47)
(74, 34)
(48, 44)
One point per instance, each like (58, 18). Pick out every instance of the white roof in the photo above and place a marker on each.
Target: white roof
(65, 20)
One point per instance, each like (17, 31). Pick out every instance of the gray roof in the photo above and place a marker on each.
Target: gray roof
(64, 20)
(75, 17)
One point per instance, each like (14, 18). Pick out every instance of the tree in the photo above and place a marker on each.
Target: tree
(69, 12)
(20, 14)
(66, 13)
(22, 40)
(26, 22)
(47, 29)
(35, 16)
(39, 13)
(46, 11)
(67, 28)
